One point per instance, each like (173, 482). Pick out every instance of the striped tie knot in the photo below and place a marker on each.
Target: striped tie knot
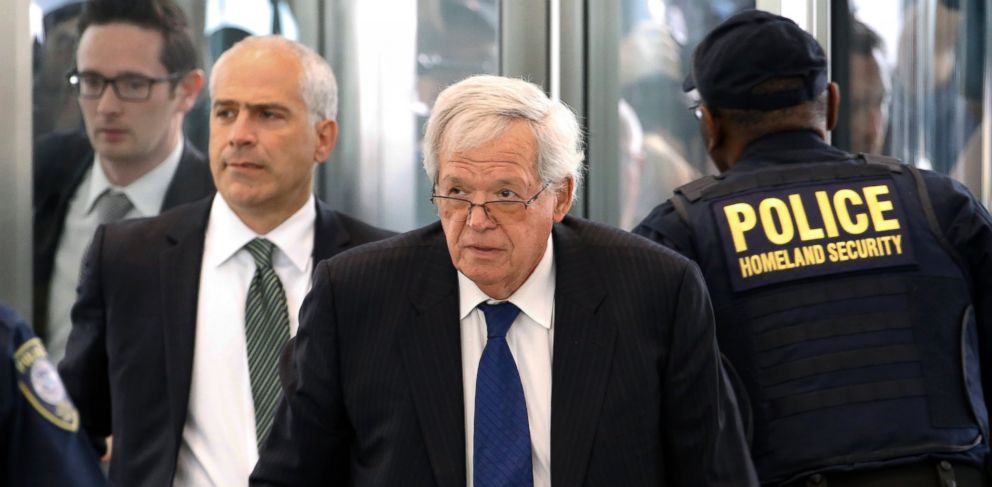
(261, 250)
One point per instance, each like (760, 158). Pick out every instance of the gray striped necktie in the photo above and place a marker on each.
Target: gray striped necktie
(111, 206)
(267, 330)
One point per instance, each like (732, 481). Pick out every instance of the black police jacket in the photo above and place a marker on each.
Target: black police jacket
(850, 300)
(40, 440)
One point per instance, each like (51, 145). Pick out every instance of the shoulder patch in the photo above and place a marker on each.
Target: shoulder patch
(41, 385)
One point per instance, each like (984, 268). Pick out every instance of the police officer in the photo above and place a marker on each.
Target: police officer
(851, 292)
(40, 441)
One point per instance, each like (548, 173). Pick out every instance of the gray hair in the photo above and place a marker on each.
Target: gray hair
(318, 87)
(477, 110)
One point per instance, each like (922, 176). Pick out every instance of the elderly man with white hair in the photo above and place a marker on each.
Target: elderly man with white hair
(508, 344)
(180, 319)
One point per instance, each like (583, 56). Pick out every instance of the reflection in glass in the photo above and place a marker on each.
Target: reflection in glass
(869, 88)
(391, 68)
(55, 106)
(937, 49)
(660, 145)
(455, 40)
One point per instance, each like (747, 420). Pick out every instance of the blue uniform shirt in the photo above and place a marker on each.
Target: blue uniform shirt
(42, 443)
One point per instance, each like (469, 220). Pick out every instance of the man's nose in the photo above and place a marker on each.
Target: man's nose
(479, 219)
(242, 131)
(108, 103)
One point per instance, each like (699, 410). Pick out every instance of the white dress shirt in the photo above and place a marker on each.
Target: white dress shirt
(218, 445)
(530, 339)
(146, 194)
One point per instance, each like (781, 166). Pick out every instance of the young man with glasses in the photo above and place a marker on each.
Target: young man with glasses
(507, 344)
(137, 74)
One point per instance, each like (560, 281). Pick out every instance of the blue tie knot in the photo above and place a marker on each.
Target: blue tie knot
(499, 317)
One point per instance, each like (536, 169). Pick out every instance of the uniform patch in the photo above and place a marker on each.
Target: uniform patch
(782, 235)
(40, 384)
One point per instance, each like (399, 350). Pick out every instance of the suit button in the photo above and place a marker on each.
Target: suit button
(814, 480)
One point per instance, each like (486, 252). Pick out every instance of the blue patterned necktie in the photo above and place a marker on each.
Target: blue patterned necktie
(502, 433)
(266, 331)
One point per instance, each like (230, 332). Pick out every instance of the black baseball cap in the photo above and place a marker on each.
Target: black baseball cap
(750, 48)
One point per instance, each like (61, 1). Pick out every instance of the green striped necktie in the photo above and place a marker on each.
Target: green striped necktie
(266, 330)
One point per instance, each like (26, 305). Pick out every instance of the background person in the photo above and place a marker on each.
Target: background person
(137, 74)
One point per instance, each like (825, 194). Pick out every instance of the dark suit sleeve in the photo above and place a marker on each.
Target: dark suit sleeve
(967, 226)
(310, 440)
(663, 225)
(84, 367)
(702, 430)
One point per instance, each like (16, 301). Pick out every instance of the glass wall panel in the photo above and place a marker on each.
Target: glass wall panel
(55, 48)
(392, 59)
(660, 147)
(916, 81)
(17, 38)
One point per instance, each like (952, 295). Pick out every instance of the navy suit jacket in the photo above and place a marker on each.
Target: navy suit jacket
(129, 361)
(638, 395)
(60, 163)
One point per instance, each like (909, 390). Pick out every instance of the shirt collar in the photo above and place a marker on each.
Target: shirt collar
(535, 298)
(293, 237)
(146, 193)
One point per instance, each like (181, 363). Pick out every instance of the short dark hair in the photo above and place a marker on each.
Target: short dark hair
(755, 123)
(179, 54)
(864, 40)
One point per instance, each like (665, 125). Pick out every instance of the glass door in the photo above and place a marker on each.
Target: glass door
(643, 140)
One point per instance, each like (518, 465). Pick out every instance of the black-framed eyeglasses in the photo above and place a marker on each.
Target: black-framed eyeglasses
(127, 87)
(499, 211)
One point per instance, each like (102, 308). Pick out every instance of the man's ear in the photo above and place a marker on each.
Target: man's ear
(563, 198)
(833, 105)
(327, 137)
(188, 88)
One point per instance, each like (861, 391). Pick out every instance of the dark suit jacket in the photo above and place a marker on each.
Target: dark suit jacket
(60, 162)
(638, 395)
(129, 360)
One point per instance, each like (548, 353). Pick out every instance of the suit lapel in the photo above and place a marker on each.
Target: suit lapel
(583, 353)
(52, 211)
(49, 219)
(179, 271)
(432, 356)
(192, 180)
(329, 234)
